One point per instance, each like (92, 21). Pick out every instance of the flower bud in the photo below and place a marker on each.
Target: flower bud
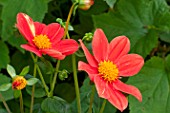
(88, 37)
(85, 4)
(19, 83)
(63, 74)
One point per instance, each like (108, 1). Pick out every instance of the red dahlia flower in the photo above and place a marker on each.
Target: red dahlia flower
(108, 64)
(45, 39)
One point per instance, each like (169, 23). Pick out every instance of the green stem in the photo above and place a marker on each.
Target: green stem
(91, 99)
(21, 103)
(33, 90)
(103, 106)
(55, 78)
(42, 79)
(5, 104)
(34, 58)
(68, 20)
(76, 83)
(33, 87)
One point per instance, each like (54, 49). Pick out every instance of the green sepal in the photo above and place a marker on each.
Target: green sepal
(24, 71)
(11, 71)
(17, 93)
(32, 81)
(5, 87)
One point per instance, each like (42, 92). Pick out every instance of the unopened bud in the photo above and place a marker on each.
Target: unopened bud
(88, 37)
(85, 4)
(19, 83)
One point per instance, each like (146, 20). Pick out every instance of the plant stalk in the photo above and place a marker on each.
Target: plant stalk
(76, 83)
(42, 79)
(103, 106)
(68, 20)
(5, 104)
(33, 90)
(54, 78)
(21, 103)
(91, 99)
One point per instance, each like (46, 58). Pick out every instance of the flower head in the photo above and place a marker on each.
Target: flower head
(85, 4)
(110, 62)
(45, 39)
(19, 83)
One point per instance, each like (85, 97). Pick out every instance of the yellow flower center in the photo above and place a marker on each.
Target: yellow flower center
(19, 83)
(108, 71)
(42, 42)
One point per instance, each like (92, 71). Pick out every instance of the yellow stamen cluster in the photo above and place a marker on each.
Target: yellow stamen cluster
(108, 71)
(19, 83)
(42, 42)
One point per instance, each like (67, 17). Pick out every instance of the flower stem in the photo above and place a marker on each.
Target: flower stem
(91, 99)
(33, 87)
(42, 79)
(68, 20)
(76, 83)
(5, 104)
(21, 103)
(103, 106)
(54, 79)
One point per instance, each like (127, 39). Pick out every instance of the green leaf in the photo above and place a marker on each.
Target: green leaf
(110, 3)
(8, 95)
(46, 69)
(4, 57)
(55, 105)
(9, 19)
(140, 20)
(165, 37)
(3, 111)
(32, 81)
(17, 93)
(85, 95)
(65, 91)
(64, 65)
(153, 82)
(11, 71)
(85, 17)
(23, 60)
(38, 93)
(24, 71)
(5, 87)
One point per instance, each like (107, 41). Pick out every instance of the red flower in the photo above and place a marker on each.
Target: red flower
(45, 39)
(109, 63)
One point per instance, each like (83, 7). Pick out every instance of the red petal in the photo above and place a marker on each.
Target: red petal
(130, 64)
(54, 32)
(32, 49)
(39, 27)
(90, 70)
(53, 53)
(58, 36)
(102, 87)
(67, 46)
(91, 60)
(127, 89)
(100, 45)
(26, 26)
(119, 46)
(117, 99)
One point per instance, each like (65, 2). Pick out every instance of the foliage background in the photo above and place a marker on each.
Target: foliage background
(145, 22)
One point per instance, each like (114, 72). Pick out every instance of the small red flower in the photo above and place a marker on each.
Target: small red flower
(45, 39)
(108, 64)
